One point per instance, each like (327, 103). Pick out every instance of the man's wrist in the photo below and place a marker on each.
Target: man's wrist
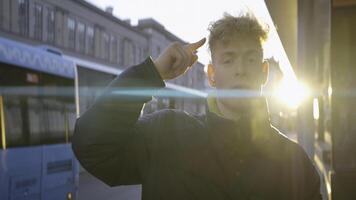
(153, 64)
(157, 65)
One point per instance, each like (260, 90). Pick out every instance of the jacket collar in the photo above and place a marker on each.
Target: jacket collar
(226, 133)
(260, 118)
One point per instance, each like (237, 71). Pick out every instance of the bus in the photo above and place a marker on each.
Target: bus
(37, 113)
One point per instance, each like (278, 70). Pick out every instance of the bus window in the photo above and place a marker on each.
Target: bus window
(37, 125)
(91, 84)
(56, 98)
(14, 124)
(37, 107)
(58, 123)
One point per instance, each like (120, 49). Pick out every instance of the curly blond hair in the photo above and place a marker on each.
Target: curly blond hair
(245, 25)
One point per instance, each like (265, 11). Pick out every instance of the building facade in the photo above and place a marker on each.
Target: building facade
(82, 30)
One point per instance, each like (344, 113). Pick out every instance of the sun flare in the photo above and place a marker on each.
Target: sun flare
(292, 93)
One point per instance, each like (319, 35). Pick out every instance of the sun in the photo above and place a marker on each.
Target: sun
(291, 93)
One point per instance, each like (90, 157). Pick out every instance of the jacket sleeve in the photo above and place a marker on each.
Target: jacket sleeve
(106, 139)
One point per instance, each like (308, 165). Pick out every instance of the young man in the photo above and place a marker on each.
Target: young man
(232, 152)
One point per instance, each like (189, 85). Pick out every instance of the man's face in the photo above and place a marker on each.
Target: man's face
(238, 64)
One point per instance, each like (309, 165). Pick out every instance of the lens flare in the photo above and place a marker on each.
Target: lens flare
(291, 93)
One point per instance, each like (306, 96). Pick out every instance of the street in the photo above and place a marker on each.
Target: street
(91, 188)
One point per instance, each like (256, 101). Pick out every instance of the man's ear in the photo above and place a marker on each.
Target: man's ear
(265, 71)
(211, 75)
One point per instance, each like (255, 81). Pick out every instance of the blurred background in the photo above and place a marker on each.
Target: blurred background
(56, 57)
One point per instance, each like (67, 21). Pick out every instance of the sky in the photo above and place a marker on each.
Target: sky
(190, 19)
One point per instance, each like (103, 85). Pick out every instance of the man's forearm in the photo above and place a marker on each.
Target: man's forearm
(104, 133)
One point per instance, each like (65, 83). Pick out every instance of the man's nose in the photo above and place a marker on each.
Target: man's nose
(239, 68)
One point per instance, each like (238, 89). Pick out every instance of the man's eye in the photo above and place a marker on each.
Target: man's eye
(252, 60)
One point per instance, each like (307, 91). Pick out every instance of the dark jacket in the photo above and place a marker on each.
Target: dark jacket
(176, 155)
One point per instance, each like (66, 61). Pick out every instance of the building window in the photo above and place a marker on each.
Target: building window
(113, 49)
(71, 33)
(4, 14)
(132, 56)
(38, 20)
(81, 37)
(129, 53)
(158, 51)
(50, 25)
(23, 17)
(137, 54)
(141, 54)
(1, 13)
(90, 40)
(144, 51)
(106, 46)
(118, 52)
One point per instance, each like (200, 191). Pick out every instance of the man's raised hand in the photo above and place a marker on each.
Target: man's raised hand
(177, 58)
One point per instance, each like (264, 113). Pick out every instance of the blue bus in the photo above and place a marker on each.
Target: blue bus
(38, 108)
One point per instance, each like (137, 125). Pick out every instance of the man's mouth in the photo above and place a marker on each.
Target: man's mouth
(242, 87)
